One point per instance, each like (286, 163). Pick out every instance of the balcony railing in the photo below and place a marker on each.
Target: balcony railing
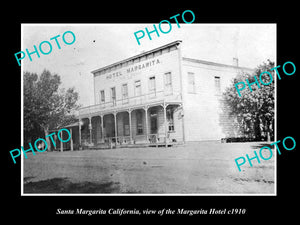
(112, 142)
(131, 102)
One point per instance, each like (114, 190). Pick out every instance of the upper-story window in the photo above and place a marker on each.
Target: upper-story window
(217, 85)
(168, 82)
(125, 93)
(102, 97)
(138, 88)
(113, 95)
(152, 85)
(191, 83)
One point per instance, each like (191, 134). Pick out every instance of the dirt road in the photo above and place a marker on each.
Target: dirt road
(196, 168)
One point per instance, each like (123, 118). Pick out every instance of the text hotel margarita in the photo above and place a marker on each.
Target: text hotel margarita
(157, 97)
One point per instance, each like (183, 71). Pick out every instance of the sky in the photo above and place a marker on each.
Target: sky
(98, 45)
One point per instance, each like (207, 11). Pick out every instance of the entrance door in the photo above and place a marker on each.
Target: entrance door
(153, 122)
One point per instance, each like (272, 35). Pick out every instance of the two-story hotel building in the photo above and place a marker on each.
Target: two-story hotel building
(156, 97)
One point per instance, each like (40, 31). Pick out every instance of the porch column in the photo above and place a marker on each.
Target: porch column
(146, 118)
(79, 125)
(116, 132)
(130, 130)
(102, 135)
(90, 129)
(165, 122)
(182, 121)
(71, 131)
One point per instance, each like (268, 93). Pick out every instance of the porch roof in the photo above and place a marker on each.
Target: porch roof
(94, 112)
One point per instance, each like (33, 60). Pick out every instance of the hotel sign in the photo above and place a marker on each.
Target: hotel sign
(137, 67)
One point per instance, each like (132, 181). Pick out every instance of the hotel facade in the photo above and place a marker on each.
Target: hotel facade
(156, 98)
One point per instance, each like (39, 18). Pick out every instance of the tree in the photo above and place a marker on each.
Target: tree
(254, 111)
(46, 107)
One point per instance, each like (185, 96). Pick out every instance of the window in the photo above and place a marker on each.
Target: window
(139, 122)
(170, 119)
(191, 80)
(153, 121)
(113, 95)
(125, 93)
(138, 88)
(126, 129)
(102, 97)
(217, 85)
(168, 82)
(152, 85)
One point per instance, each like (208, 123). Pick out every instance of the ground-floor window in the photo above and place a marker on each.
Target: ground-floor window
(139, 122)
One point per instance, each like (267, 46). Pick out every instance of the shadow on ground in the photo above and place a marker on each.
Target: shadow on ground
(259, 146)
(64, 185)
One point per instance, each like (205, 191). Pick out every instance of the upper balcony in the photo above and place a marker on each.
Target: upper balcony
(154, 98)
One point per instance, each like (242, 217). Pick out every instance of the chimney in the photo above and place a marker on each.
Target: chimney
(236, 62)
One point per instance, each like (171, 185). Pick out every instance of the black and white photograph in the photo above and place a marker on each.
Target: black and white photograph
(149, 112)
(149, 109)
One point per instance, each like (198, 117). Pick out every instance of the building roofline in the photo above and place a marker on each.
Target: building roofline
(215, 64)
(137, 56)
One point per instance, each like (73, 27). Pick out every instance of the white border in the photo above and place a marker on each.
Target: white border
(113, 194)
(22, 117)
(275, 115)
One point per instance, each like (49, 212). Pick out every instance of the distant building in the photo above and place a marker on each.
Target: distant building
(156, 97)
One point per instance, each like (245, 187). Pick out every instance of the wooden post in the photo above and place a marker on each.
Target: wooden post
(130, 130)
(116, 132)
(90, 129)
(146, 118)
(71, 131)
(165, 122)
(61, 143)
(102, 135)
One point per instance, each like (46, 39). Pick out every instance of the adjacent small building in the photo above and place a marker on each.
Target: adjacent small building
(156, 97)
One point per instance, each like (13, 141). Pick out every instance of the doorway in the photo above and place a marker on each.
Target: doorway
(153, 121)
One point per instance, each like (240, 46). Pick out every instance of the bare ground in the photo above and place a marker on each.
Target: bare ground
(195, 168)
